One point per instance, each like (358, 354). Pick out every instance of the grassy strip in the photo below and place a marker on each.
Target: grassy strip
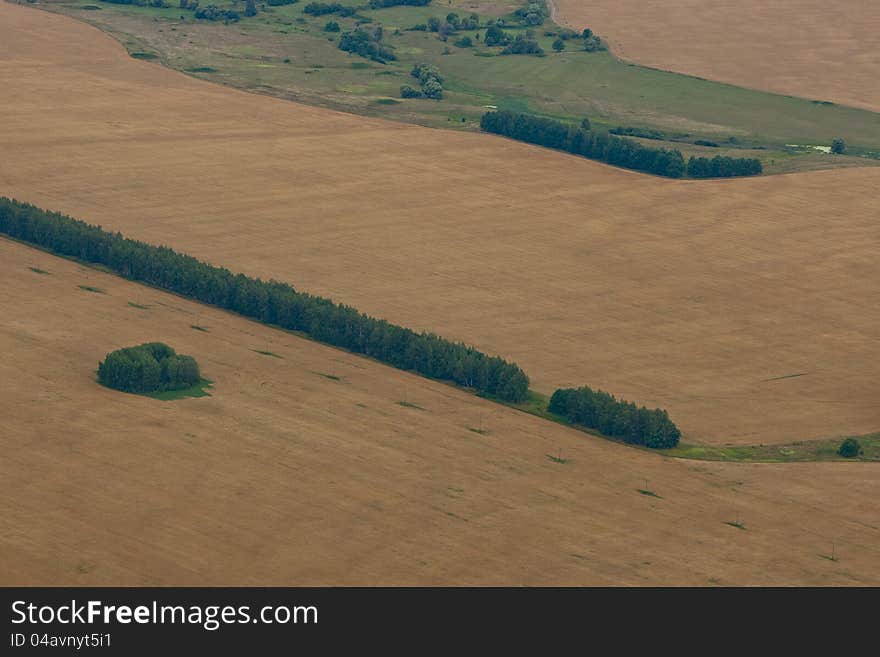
(198, 390)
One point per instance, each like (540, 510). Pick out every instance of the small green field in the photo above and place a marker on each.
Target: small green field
(286, 53)
(198, 390)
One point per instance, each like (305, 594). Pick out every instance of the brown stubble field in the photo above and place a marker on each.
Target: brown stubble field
(286, 476)
(693, 296)
(809, 48)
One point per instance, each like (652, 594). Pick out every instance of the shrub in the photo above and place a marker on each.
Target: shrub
(464, 42)
(407, 91)
(380, 4)
(850, 448)
(524, 44)
(559, 45)
(213, 13)
(616, 418)
(367, 43)
(331, 26)
(723, 167)
(150, 367)
(838, 146)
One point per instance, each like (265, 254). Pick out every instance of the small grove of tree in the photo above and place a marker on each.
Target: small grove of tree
(381, 4)
(158, 4)
(850, 448)
(324, 8)
(367, 43)
(534, 13)
(723, 167)
(464, 42)
(250, 8)
(558, 45)
(150, 367)
(214, 13)
(838, 146)
(270, 302)
(524, 44)
(331, 26)
(616, 418)
(618, 151)
(429, 78)
(280, 3)
(592, 42)
(495, 36)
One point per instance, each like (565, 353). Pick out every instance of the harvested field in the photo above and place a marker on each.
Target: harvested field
(700, 297)
(808, 48)
(286, 475)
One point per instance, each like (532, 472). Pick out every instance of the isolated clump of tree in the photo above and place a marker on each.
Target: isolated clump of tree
(214, 13)
(618, 151)
(595, 409)
(367, 43)
(430, 80)
(271, 302)
(850, 448)
(331, 26)
(838, 146)
(592, 42)
(280, 3)
(723, 167)
(381, 4)
(150, 367)
(158, 4)
(324, 8)
(524, 44)
(534, 13)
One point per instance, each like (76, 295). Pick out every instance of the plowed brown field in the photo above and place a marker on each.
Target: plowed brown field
(285, 476)
(809, 48)
(701, 297)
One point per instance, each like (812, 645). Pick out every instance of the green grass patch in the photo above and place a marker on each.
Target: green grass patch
(89, 288)
(386, 101)
(649, 493)
(407, 404)
(144, 55)
(37, 270)
(201, 69)
(482, 432)
(199, 328)
(556, 459)
(198, 390)
(735, 523)
(138, 306)
(332, 377)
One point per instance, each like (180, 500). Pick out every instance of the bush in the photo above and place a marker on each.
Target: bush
(559, 45)
(380, 4)
(616, 418)
(429, 77)
(367, 43)
(213, 13)
(850, 448)
(150, 367)
(524, 44)
(323, 8)
(464, 42)
(495, 36)
(331, 26)
(838, 146)
(407, 91)
(723, 167)
(280, 3)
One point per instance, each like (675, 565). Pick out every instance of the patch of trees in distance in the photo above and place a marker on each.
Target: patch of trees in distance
(618, 151)
(325, 8)
(150, 367)
(723, 167)
(430, 80)
(381, 4)
(367, 43)
(616, 418)
(612, 149)
(270, 302)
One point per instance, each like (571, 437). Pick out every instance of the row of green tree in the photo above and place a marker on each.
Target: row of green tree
(616, 418)
(150, 367)
(618, 151)
(367, 43)
(325, 8)
(271, 302)
(430, 80)
(723, 167)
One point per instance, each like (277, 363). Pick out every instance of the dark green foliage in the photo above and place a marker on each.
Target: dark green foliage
(331, 26)
(558, 45)
(585, 124)
(212, 13)
(381, 4)
(618, 151)
(421, 27)
(367, 43)
(850, 448)
(407, 91)
(429, 77)
(838, 146)
(534, 13)
(150, 367)
(524, 44)
(250, 8)
(158, 4)
(464, 42)
(616, 418)
(593, 43)
(644, 133)
(280, 3)
(723, 167)
(495, 36)
(323, 8)
(706, 142)
(270, 302)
